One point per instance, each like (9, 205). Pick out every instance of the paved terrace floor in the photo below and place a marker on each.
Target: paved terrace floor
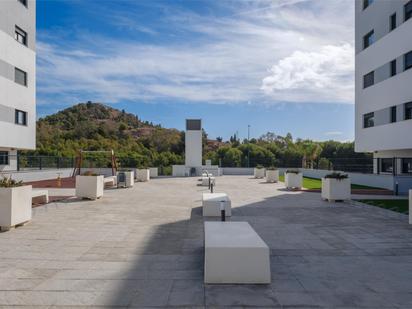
(143, 247)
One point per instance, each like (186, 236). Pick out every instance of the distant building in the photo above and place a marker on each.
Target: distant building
(383, 97)
(17, 79)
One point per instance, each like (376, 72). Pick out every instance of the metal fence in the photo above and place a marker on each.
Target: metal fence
(355, 164)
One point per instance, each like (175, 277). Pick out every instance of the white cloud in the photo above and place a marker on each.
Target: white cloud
(208, 58)
(318, 75)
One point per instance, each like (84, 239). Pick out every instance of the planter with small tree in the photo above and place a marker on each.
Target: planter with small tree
(293, 179)
(15, 203)
(336, 186)
(259, 171)
(272, 174)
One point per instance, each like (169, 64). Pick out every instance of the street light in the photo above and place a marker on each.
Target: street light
(248, 146)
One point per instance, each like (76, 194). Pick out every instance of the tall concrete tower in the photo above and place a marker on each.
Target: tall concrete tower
(193, 142)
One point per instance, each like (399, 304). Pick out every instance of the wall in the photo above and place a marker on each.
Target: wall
(37, 175)
(392, 91)
(193, 148)
(13, 54)
(237, 170)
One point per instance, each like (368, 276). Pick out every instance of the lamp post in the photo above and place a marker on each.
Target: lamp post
(248, 146)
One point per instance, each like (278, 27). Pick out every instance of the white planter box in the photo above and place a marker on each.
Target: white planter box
(205, 181)
(90, 187)
(335, 189)
(234, 253)
(211, 204)
(15, 206)
(142, 175)
(129, 179)
(410, 206)
(259, 172)
(272, 175)
(154, 172)
(293, 181)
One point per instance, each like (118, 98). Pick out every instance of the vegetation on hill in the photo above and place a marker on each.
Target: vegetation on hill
(95, 126)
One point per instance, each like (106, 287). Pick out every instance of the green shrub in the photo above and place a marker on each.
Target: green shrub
(337, 175)
(10, 183)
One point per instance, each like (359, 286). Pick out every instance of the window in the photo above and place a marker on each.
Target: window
(368, 120)
(408, 111)
(392, 22)
(368, 39)
(393, 67)
(387, 165)
(368, 79)
(20, 77)
(4, 158)
(24, 2)
(408, 10)
(407, 166)
(407, 59)
(193, 124)
(21, 117)
(393, 114)
(367, 3)
(20, 36)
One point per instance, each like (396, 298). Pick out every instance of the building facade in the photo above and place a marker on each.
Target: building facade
(383, 83)
(17, 79)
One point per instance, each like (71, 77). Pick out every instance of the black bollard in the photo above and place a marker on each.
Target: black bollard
(222, 211)
(211, 187)
(396, 188)
(209, 183)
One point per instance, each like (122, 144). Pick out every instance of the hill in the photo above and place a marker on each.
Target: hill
(95, 126)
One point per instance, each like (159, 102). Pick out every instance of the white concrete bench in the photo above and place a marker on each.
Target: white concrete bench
(234, 253)
(110, 181)
(40, 196)
(211, 204)
(205, 181)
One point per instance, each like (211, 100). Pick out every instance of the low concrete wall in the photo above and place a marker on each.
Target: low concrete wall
(372, 180)
(28, 176)
(237, 170)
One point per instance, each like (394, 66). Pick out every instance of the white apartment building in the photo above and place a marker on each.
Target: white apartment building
(17, 79)
(383, 83)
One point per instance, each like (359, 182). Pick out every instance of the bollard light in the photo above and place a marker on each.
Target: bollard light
(209, 183)
(211, 187)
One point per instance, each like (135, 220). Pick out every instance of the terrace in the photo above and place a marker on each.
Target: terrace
(143, 247)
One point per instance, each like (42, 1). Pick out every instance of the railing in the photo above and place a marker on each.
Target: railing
(356, 165)
(394, 166)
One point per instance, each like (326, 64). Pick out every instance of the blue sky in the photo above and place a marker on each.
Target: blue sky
(278, 65)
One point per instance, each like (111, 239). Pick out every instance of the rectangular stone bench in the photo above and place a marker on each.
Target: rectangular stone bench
(234, 253)
(211, 204)
(40, 196)
(110, 181)
(205, 181)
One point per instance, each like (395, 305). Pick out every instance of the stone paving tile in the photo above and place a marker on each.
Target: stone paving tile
(143, 248)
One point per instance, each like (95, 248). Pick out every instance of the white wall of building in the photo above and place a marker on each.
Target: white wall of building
(13, 95)
(193, 148)
(392, 91)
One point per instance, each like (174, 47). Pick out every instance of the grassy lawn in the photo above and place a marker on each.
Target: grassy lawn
(401, 206)
(313, 183)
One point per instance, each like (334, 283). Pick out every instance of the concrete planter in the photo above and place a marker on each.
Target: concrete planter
(15, 206)
(293, 180)
(272, 175)
(154, 172)
(410, 206)
(90, 187)
(143, 175)
(259, 172)
(128, 179)
(335, 189)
